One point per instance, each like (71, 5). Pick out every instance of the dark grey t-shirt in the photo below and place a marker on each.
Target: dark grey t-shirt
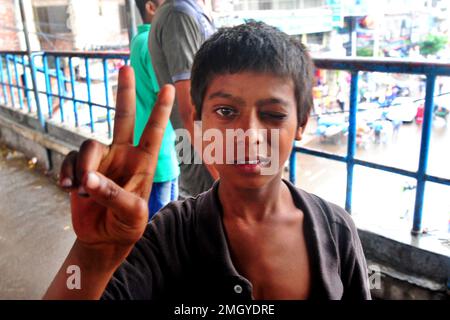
(178, 30)
(184, 254)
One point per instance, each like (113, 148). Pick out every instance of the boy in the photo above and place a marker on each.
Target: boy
(165, 185)
(252, 235)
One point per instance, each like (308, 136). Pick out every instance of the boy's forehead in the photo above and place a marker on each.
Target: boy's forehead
(250, 88)
(240, 80)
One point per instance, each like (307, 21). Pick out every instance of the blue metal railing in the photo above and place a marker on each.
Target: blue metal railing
(68, 91)
(59, 86)
(355, 66)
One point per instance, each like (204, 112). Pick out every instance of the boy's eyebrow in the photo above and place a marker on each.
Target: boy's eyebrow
(221, 94)
(271, 101)
(240, 101)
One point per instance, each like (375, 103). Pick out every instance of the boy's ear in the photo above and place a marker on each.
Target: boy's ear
(150, 7)
(299, 133)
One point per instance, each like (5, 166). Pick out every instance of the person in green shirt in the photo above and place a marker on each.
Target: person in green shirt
(165, 186)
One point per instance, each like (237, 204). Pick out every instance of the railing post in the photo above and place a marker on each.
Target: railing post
(106, 81)
(25, 83)
(18, 86)
(5, 95)
(351, 143)
(293, 166)
(88, 84)
(10, 84)
(48, 86)
(36, 94)
(58, 80)
(72, 86)
(423, 156)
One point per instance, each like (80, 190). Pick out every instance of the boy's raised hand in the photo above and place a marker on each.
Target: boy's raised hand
(110, 185)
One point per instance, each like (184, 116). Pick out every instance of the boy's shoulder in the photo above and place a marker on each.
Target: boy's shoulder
(170, 8)
(204, 211)
(208, 201)
(324, 213)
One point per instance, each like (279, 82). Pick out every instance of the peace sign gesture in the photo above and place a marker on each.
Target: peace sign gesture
(110, 185)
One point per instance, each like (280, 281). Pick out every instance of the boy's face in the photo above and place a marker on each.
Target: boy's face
(262, 106)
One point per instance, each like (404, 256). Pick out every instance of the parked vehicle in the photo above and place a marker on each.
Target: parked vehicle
(331, 127)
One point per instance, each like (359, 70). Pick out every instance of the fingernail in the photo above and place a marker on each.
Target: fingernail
(82, 192)
(92, 181)
(66, 183)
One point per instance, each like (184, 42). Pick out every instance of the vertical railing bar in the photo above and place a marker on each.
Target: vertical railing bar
(58, 80)
(293, 167)
(25, 83)
(351, 144)
(48, 86)
(8, 74)
(72, 85)
(18, 86)
(424, 152)
(5, 95)
(106, 81)
(36, 92)
(88, 84)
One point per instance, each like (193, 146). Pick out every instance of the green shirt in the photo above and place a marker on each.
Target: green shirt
(146, 92)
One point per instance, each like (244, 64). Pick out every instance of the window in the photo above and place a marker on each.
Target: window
(305, 4)
(288, 5)
(52, 19)
(315, 38)
(265, 5)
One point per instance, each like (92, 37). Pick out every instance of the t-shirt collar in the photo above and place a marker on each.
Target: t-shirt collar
(143, 28)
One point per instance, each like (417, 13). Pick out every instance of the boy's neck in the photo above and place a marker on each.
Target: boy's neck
(254, 204)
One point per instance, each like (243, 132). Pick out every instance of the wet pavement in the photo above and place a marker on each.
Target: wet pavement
(35, 228)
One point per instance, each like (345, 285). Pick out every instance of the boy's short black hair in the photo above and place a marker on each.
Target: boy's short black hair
(257, 47)
(140, 4)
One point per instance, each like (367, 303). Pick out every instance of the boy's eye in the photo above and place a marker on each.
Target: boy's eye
(226, 112)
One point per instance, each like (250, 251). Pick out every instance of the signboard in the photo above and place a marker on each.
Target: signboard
(347, 8)
(293, 22)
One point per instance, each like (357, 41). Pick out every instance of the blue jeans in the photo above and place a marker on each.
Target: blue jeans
(162, 193)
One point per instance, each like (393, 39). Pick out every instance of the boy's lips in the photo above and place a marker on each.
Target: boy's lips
(259, 160)
(252, 165)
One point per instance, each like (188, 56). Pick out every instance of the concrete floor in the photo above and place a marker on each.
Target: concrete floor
(35, 228)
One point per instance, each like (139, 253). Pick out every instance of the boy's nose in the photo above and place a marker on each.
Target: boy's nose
(254, 132)
(250, 121)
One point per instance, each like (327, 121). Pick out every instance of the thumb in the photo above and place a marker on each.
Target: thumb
(129, 207)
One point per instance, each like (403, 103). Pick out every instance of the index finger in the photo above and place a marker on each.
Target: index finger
(125, 107)
(154, 130)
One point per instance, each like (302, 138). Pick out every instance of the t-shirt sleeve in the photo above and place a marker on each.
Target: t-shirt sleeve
(136, 277)
(156, 259)
(181, 38)
(354, 272)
